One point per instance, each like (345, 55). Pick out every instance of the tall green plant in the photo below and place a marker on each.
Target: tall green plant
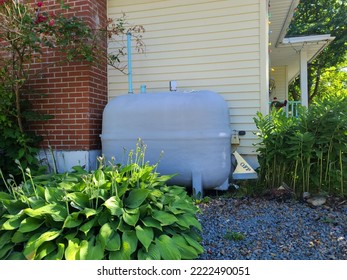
(308, 153)
(116, 212)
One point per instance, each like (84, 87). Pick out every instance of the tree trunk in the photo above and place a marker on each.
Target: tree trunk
(316, 85)
(18, 109)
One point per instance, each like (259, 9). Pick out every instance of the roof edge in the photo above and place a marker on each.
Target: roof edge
(286, 23)
(328, 40)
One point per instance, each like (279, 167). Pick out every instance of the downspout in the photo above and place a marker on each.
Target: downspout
(130, 68)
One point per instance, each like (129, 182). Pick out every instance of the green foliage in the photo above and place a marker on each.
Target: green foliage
(308, 153)
(15, 144)
(333, 81)
(315, 18)
(116, 212)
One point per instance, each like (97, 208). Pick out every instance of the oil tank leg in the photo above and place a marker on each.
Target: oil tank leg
(197, 184)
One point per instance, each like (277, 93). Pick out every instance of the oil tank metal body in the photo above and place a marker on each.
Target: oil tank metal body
(190, 128)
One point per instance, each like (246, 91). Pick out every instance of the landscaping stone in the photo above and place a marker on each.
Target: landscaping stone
(273, 229)
(318, 200)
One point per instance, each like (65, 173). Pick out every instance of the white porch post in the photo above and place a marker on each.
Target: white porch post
(303, 78)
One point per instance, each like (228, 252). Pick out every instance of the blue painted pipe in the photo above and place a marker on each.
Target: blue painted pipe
(130, 68)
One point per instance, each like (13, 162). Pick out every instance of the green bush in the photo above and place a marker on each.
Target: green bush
(308, 153)
(116, 212)
(15, 144)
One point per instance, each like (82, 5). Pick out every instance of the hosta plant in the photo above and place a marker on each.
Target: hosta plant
(116, 212)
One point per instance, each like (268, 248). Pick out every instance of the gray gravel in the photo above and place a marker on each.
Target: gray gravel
(259, 229)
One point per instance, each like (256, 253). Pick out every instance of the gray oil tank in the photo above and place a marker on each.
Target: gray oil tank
(191, 128)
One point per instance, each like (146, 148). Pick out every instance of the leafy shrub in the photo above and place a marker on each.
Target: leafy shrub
(116, 212)
(308, 153)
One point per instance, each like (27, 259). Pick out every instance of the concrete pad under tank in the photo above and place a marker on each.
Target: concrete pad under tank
(190, 128)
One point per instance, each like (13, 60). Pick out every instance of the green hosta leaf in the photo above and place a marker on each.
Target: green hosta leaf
(131, 219)
(82, 254)
(132, 211)
(119, 255)
(36, 240)
(78, 198)
(152, 254)
(114, 204)
(13, 222)
(5, 196)
(5, 238)
(150, 222)
(193, 243)
(95, 250)
(57, 212)
(53, 195)
(72, 249)
(114, 242)
(136, 198)
(87, 250)
(45, 249)
(187, 252)
(174, 210)
(183, 204)
(73, 220)
(123, 226)
(85, 228)
(19, 237)
(68, 186)
(58, 254)
(30, 224)
(145, 235)
(177, 190)
(88, 212)
(14, 206)
(99, 178)
(155, 194)
(165, 178)
(105, 233)
(187, 220)
(5, 250)
(167, 248)
(104, 217)
(15, 256)
(129, 242)
(123, 188)
(35, 202)
(164, 218)
(79, 170)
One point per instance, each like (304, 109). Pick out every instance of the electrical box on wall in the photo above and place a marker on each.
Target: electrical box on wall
(235, 140)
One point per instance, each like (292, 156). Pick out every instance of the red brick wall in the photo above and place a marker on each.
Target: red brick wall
(75, 94)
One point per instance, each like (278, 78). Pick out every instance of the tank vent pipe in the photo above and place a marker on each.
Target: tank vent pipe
(130, 68)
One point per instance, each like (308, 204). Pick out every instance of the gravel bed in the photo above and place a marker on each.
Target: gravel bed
(260, 229)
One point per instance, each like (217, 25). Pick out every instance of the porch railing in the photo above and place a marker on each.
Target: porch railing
(291, 108)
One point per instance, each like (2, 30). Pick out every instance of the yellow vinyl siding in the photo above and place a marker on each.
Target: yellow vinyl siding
(202, 44)
(280, 77)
